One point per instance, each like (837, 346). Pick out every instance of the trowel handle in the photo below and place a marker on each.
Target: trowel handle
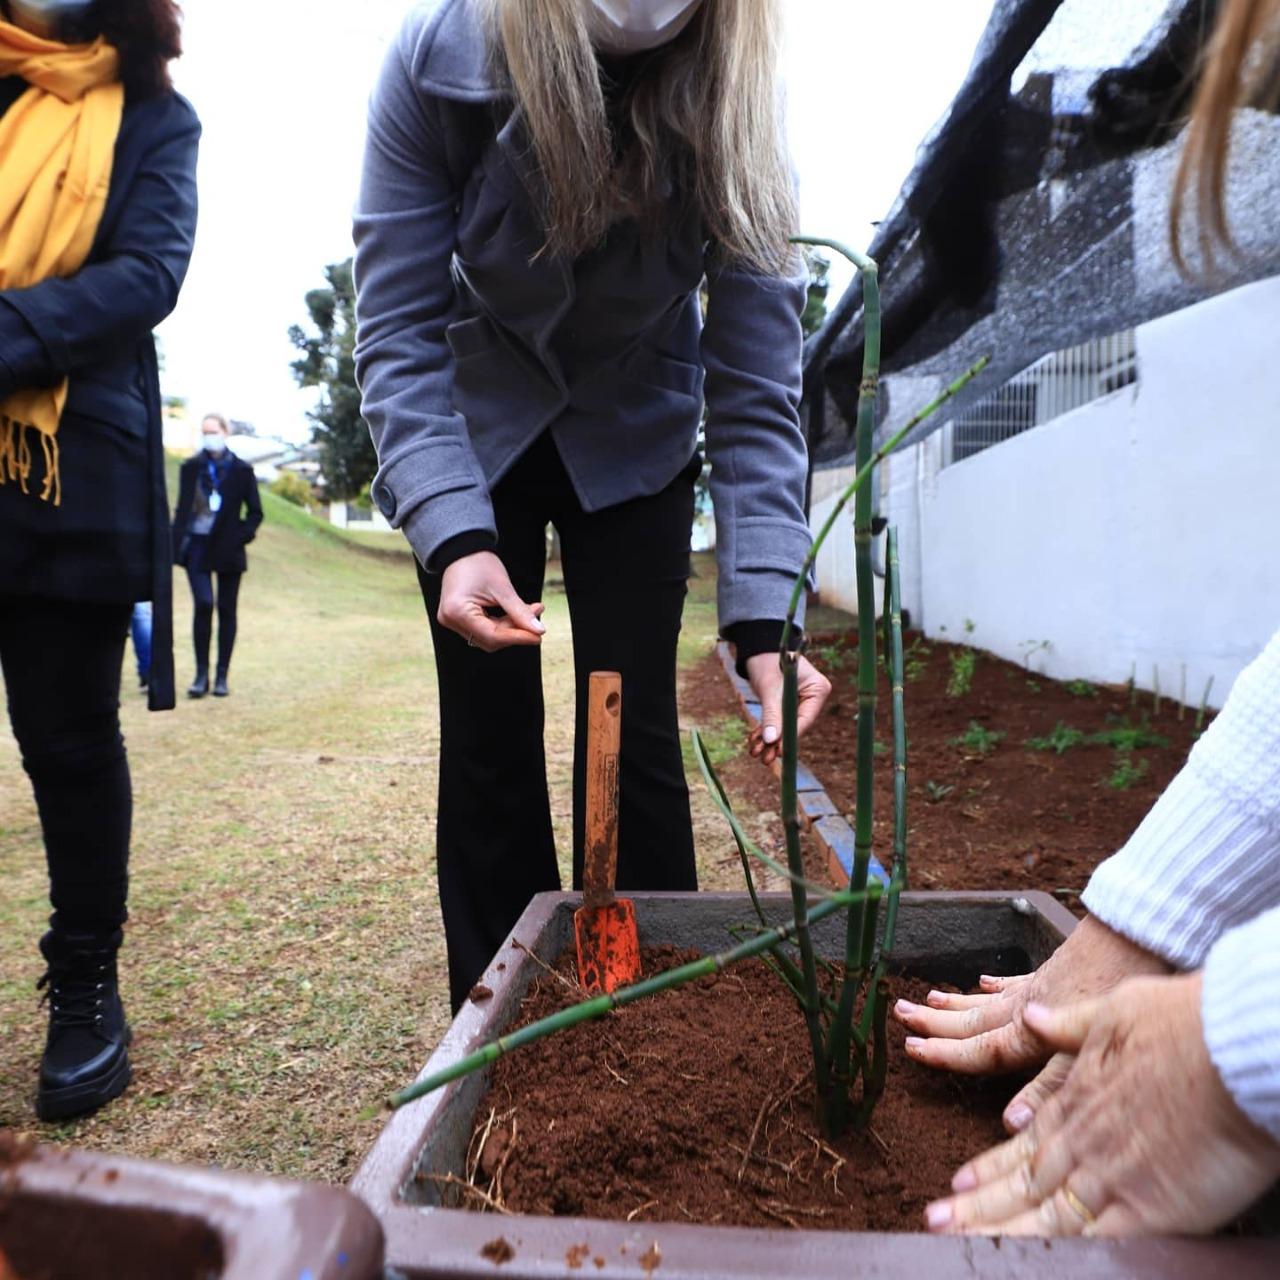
(604, 740)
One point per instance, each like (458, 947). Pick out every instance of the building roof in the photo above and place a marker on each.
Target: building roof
(1037, 212)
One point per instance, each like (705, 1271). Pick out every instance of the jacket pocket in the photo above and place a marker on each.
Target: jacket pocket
(470, 337)
(655, 369)
(109, 400)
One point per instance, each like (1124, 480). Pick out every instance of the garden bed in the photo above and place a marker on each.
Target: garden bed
(984, 808)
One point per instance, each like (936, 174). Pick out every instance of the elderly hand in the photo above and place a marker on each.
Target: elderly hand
(478, 601)
(1143, 1138)
(765, 674)
(988, 1032)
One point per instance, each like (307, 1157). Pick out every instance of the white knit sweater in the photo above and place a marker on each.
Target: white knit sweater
(1199, 885)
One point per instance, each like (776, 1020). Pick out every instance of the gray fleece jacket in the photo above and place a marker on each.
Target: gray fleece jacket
(470, 346)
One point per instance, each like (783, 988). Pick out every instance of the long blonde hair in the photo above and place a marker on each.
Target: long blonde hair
(1240, 69)
(705, 111)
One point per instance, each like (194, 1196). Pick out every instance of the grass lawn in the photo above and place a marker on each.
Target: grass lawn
(284, 963)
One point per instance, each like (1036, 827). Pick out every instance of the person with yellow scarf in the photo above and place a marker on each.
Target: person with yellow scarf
(97, 222)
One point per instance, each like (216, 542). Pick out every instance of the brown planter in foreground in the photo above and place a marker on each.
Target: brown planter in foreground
(940, 935)
(77, 1215)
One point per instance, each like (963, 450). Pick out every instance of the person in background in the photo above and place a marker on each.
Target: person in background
(1156, 1025)
(140, 629)
(97, 221)
(547, 184)
(218, 515)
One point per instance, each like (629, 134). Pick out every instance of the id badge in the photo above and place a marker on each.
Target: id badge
(215, 502)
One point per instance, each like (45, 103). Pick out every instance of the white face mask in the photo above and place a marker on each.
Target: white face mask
(215, 444)
(635, 26)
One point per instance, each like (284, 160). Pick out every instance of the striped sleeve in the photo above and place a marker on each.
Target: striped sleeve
(1207, 857)
(1241, 1015)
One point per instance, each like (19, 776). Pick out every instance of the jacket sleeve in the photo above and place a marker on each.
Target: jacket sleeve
(253, 501)
(1206, 859)
(429, 482)
(751, 349)
(59, 326)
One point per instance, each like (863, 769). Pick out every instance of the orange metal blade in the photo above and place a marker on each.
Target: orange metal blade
(608, 946)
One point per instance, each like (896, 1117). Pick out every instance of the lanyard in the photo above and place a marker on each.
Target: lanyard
(215, 493)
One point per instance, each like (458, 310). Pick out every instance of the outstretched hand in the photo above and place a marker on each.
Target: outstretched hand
(765, 675)
(1142, 1138)
(988, 1032)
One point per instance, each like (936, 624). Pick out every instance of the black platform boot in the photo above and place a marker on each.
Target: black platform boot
(200, 685)
(220, 689)
(86, 1057)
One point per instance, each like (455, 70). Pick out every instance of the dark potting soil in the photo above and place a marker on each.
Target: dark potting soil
(1010, 818)
(697, 1106)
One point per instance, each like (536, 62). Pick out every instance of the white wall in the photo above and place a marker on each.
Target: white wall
(1143, 528)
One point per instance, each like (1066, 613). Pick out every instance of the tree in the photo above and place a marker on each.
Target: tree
(347, 457)
(815, 312)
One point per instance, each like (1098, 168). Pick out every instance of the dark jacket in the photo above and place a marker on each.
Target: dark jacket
(232, 531)
(471, 344)
(108, 541)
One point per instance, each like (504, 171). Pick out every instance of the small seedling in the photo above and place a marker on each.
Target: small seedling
(1129, 737)
(1035, 686)
(978, 739)
(1127, 772)
(1061, 738)
(969, 626)
(937, 791)
(915, 658)
(963, 663)
(1081, 689)
(1031, 647)
(831, 656)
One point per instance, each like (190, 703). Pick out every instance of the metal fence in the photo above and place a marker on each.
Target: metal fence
(1054, 385)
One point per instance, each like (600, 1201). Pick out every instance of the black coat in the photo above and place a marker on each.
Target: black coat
(108, 541)
(232, 531)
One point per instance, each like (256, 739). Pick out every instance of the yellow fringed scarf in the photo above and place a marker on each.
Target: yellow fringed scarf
(57, 145)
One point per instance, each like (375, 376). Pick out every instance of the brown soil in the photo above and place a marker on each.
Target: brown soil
(697, 1106)
(1013, 818)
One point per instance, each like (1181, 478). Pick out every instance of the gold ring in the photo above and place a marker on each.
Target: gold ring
(1081, 1209)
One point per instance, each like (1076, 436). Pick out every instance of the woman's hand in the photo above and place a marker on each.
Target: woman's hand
(478, 601)
(765, 675)
(1143, 1138)
(987, 1033)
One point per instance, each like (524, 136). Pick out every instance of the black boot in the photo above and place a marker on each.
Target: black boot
(86, 1058)
(220, 689)
(200, 685)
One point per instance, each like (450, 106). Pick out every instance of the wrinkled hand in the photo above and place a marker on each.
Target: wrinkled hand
(988, 1032)
(477, 583)
(765, 674)
(1143, 1138)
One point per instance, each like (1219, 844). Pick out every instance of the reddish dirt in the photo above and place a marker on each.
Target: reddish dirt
(1016, 817)
(1013, 818)
(649, 1114)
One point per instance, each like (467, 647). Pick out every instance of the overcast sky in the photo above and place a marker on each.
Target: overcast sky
(281, 87)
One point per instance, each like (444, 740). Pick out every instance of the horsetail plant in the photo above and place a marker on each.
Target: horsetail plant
(847, 1029)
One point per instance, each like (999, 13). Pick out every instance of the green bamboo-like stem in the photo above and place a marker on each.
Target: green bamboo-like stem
(797, 591)
(898, 874)
(841, 1031)
(1204, 705)
(600, 1005)
(873, 1080)
(811, 1004)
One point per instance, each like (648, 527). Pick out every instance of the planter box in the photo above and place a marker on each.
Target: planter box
(76, 1215)
(941, 936)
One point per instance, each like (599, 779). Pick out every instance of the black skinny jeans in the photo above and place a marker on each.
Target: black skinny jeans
(61, 665)
(626, 572)
(201, 582)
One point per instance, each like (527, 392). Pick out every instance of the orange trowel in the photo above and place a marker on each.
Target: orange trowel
(605, 926)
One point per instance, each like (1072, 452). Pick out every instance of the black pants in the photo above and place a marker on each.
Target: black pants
(626, 572)
(228, 596)
(61, 666)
